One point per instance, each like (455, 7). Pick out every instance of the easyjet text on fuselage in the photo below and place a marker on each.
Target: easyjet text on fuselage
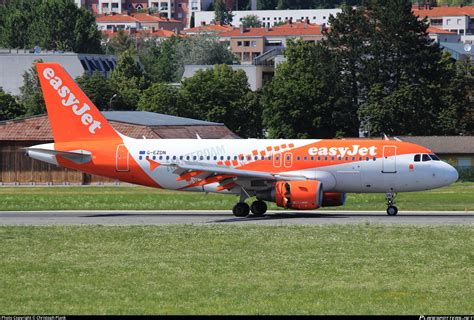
(355, 150)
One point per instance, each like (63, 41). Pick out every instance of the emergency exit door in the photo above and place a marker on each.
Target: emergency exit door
(389, 159)
(122, 158)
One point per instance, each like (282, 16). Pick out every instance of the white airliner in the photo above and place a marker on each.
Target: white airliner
(295, 174)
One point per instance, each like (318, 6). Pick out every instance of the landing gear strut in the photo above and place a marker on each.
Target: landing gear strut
(258, 208)
(391, 209)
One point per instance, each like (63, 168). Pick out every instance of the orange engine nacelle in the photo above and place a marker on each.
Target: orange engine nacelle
(299, 195)
(333, 199)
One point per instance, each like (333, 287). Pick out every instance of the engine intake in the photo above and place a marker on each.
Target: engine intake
(298, 195)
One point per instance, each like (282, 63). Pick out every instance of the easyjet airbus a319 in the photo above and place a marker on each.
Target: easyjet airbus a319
(295, 174)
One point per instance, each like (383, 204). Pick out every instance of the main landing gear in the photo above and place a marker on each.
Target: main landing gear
(391, 209)
(242, 209)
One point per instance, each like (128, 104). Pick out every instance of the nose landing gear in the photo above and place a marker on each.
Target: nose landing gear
(391, 209)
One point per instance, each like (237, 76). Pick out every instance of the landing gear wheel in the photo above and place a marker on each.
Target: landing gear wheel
(241, 209)
(392, 211)
(258, 208)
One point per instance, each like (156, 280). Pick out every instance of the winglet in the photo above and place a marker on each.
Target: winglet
(71, 113)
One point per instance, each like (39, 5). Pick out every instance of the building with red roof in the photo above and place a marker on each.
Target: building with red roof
(454, 19)
(249, 43)
(136, 22)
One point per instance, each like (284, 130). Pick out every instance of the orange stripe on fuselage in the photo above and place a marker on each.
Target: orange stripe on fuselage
(266, 165)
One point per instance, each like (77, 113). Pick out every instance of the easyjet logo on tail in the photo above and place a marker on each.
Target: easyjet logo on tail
(343, 151)
(70, 100)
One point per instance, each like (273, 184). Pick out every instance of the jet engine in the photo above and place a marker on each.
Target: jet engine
(333, 199)
(298, 195)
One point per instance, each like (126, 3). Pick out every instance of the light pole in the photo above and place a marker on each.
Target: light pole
(110, 101)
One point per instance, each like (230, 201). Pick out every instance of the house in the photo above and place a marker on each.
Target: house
(17, 168)
(250, 43)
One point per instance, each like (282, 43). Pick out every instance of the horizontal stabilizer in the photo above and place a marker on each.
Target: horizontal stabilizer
(76, 156)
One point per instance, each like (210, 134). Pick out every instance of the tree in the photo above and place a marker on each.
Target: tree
(222, 95)
(31, 96)
(9, 107)
(160, 60)
(128, 81)
(349, 41)
(221, 14)
(392, 73)
(50, 24)
(251, 21)
(97, 88)
(162, 98)
(303, 100)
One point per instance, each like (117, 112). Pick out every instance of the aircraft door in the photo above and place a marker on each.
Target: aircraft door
(389, 159)
(122, 157)
(288, 160)
(277, 160)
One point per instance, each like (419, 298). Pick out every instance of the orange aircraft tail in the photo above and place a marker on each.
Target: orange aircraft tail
(71, 114)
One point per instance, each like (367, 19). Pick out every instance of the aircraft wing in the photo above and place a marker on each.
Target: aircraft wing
(225, 176)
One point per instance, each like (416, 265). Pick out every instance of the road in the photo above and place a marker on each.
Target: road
(225, 217)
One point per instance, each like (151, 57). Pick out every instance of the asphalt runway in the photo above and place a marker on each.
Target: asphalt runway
(226, 217)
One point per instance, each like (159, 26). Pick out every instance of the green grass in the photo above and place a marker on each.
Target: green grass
(459, 196)
(357, 269)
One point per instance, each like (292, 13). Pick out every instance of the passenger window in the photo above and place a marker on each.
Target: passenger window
(208, 158)
(201, 158)
(425, 158)
(180, 157)
(228, 157)
(249, 158)
(325, 158)
(332, 158)
(417, 158)
(312, 158)
(305, 158)
(174, 157)
(222, 157)
(262, 158)
(187, 158)
(215, 157)
(194, 157)
(298, 158)
(339, 158)
(256, 158)
(235, 157)
(167, 157)
(154, 157)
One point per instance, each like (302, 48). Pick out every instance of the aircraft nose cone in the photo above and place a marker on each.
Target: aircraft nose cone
(452, 174)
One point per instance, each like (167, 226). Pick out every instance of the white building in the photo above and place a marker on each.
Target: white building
(270, 17)
(110, 6)
(14, 63)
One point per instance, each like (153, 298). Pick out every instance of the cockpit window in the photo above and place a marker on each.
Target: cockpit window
(434, 157)
(417, 157)
(426, 158)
